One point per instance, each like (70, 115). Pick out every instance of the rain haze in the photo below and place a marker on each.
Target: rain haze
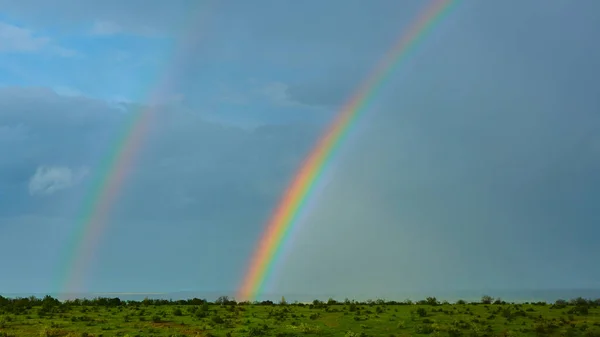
(474, 167)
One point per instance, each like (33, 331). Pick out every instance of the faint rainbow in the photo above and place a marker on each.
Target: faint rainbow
(113, 171)
(292, 204)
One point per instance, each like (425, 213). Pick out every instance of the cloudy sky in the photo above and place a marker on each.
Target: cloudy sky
(475, 167)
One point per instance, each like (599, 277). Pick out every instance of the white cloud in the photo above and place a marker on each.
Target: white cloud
(13, 38)
(50, 179)
(18, 39)
(277, 93)
(189, 160)
(106, 28)
(165, 99)
(13, 133)
(108, 17)
(67, 91)
(64, 52)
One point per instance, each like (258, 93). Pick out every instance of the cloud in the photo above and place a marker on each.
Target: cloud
(105, 28)
(64, 52)
(13, 133)
(277, 94)
(50, 179)
(108, 17)
(18, 39)
(67, 91)
(328, 91)
(184, 157)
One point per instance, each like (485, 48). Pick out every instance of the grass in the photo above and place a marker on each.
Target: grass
(48, 317)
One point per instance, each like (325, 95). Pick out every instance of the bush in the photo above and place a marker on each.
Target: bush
(592, 333)
(432, 301)
(218, 320)
(485, 299)
(200, 313)
(559, 304)
(580, 310)
(454, 332)
(425, 329)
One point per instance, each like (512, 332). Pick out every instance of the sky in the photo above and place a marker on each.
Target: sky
(474, 167)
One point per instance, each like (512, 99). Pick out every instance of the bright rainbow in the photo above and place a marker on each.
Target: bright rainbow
(310, 174)
(110, 179)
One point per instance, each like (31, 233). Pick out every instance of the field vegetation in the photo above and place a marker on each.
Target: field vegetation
(49, 317)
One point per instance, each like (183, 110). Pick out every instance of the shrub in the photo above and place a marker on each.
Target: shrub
(592, 333)
(432, 301)
(485, 299)
(200, 313)
(580, 310)
(218, 319)
(454, 332)
(425, 329)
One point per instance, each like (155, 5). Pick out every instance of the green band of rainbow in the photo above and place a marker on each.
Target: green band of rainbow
(309, 175)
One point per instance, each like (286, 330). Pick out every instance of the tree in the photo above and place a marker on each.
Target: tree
(560, 304)
(485, 299)
(222, 300)
(432, 301)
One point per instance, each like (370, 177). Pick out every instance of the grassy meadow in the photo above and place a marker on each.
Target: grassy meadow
(196, 317)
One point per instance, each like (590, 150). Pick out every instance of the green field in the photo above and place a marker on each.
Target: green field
(113, 317)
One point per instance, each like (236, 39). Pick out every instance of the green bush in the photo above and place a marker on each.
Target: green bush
(425, 329)
(218, 319)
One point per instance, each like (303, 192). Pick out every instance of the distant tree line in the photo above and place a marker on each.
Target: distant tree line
(52, 305)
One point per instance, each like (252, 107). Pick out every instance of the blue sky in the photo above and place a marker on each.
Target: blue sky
(475, 167)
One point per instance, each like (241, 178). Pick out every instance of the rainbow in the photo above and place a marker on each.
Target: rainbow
(113, 171)
(104, 193)
(303, 185)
